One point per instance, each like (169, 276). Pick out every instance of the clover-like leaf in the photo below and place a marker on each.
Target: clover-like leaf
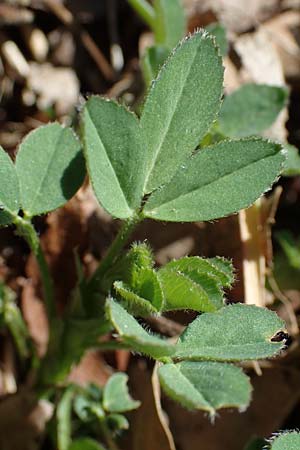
(134, 334)
(116, 397)
(9, 189)
(190, 290)
(50, 168)
(115, 155)
(144, 295)
(234, 333)
(218, 181)
(251, 109)
(286, 441)
(206, 385)
(181, 105)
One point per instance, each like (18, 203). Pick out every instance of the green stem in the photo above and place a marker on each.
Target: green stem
(144, 10)
(107, 436)
(27, 231)
(114, 251)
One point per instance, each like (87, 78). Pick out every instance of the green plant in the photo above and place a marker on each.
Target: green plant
(152, 167)
(286, 440)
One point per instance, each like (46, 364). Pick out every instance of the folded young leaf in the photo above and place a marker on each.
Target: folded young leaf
(50, 167)
(9, 189)
(134, 334)
(181, 105)
(206, 385)
(64, 418)
(286, 441)
(169, 24)
(234, 333)
(220, 268)
(144, 294)
(115, 156)
(190, 289)
(116, 397)
(251, 109)
(133, 303)
(218, 181)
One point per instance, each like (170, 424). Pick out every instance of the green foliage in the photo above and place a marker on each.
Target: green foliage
(49, 170)
(152, 167)
(133, 334)
(251, 109)
(9, 189)
(115, 395)
(63, 416)
(11, 317)
(234, 333)
(180, 106)
(206, 385)
(217, 181)
(190, 289)
(115, 156)
(286, 441)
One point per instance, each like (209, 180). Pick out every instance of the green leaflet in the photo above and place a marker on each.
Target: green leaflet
(286, 441)
(180, 106)
(85, 444)
(220, 268)
(292, 162)
(115, 156)
(138, 284)
(9, 189)
(50, 168)
(115, 395)
(190, 290)
(251, 109)
(169, 24)
(134, 334)
(195, 283)
(144, 293)
(63, 417)
(217, 181)
(234, 333)
(206, 385)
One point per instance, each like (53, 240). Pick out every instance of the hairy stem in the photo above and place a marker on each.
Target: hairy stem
(114, 251)
(27, 231)
(144, 10)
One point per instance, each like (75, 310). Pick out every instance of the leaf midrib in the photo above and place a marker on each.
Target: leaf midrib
(110, 164)
(205, 184)
(169, 122)
(44, 177)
